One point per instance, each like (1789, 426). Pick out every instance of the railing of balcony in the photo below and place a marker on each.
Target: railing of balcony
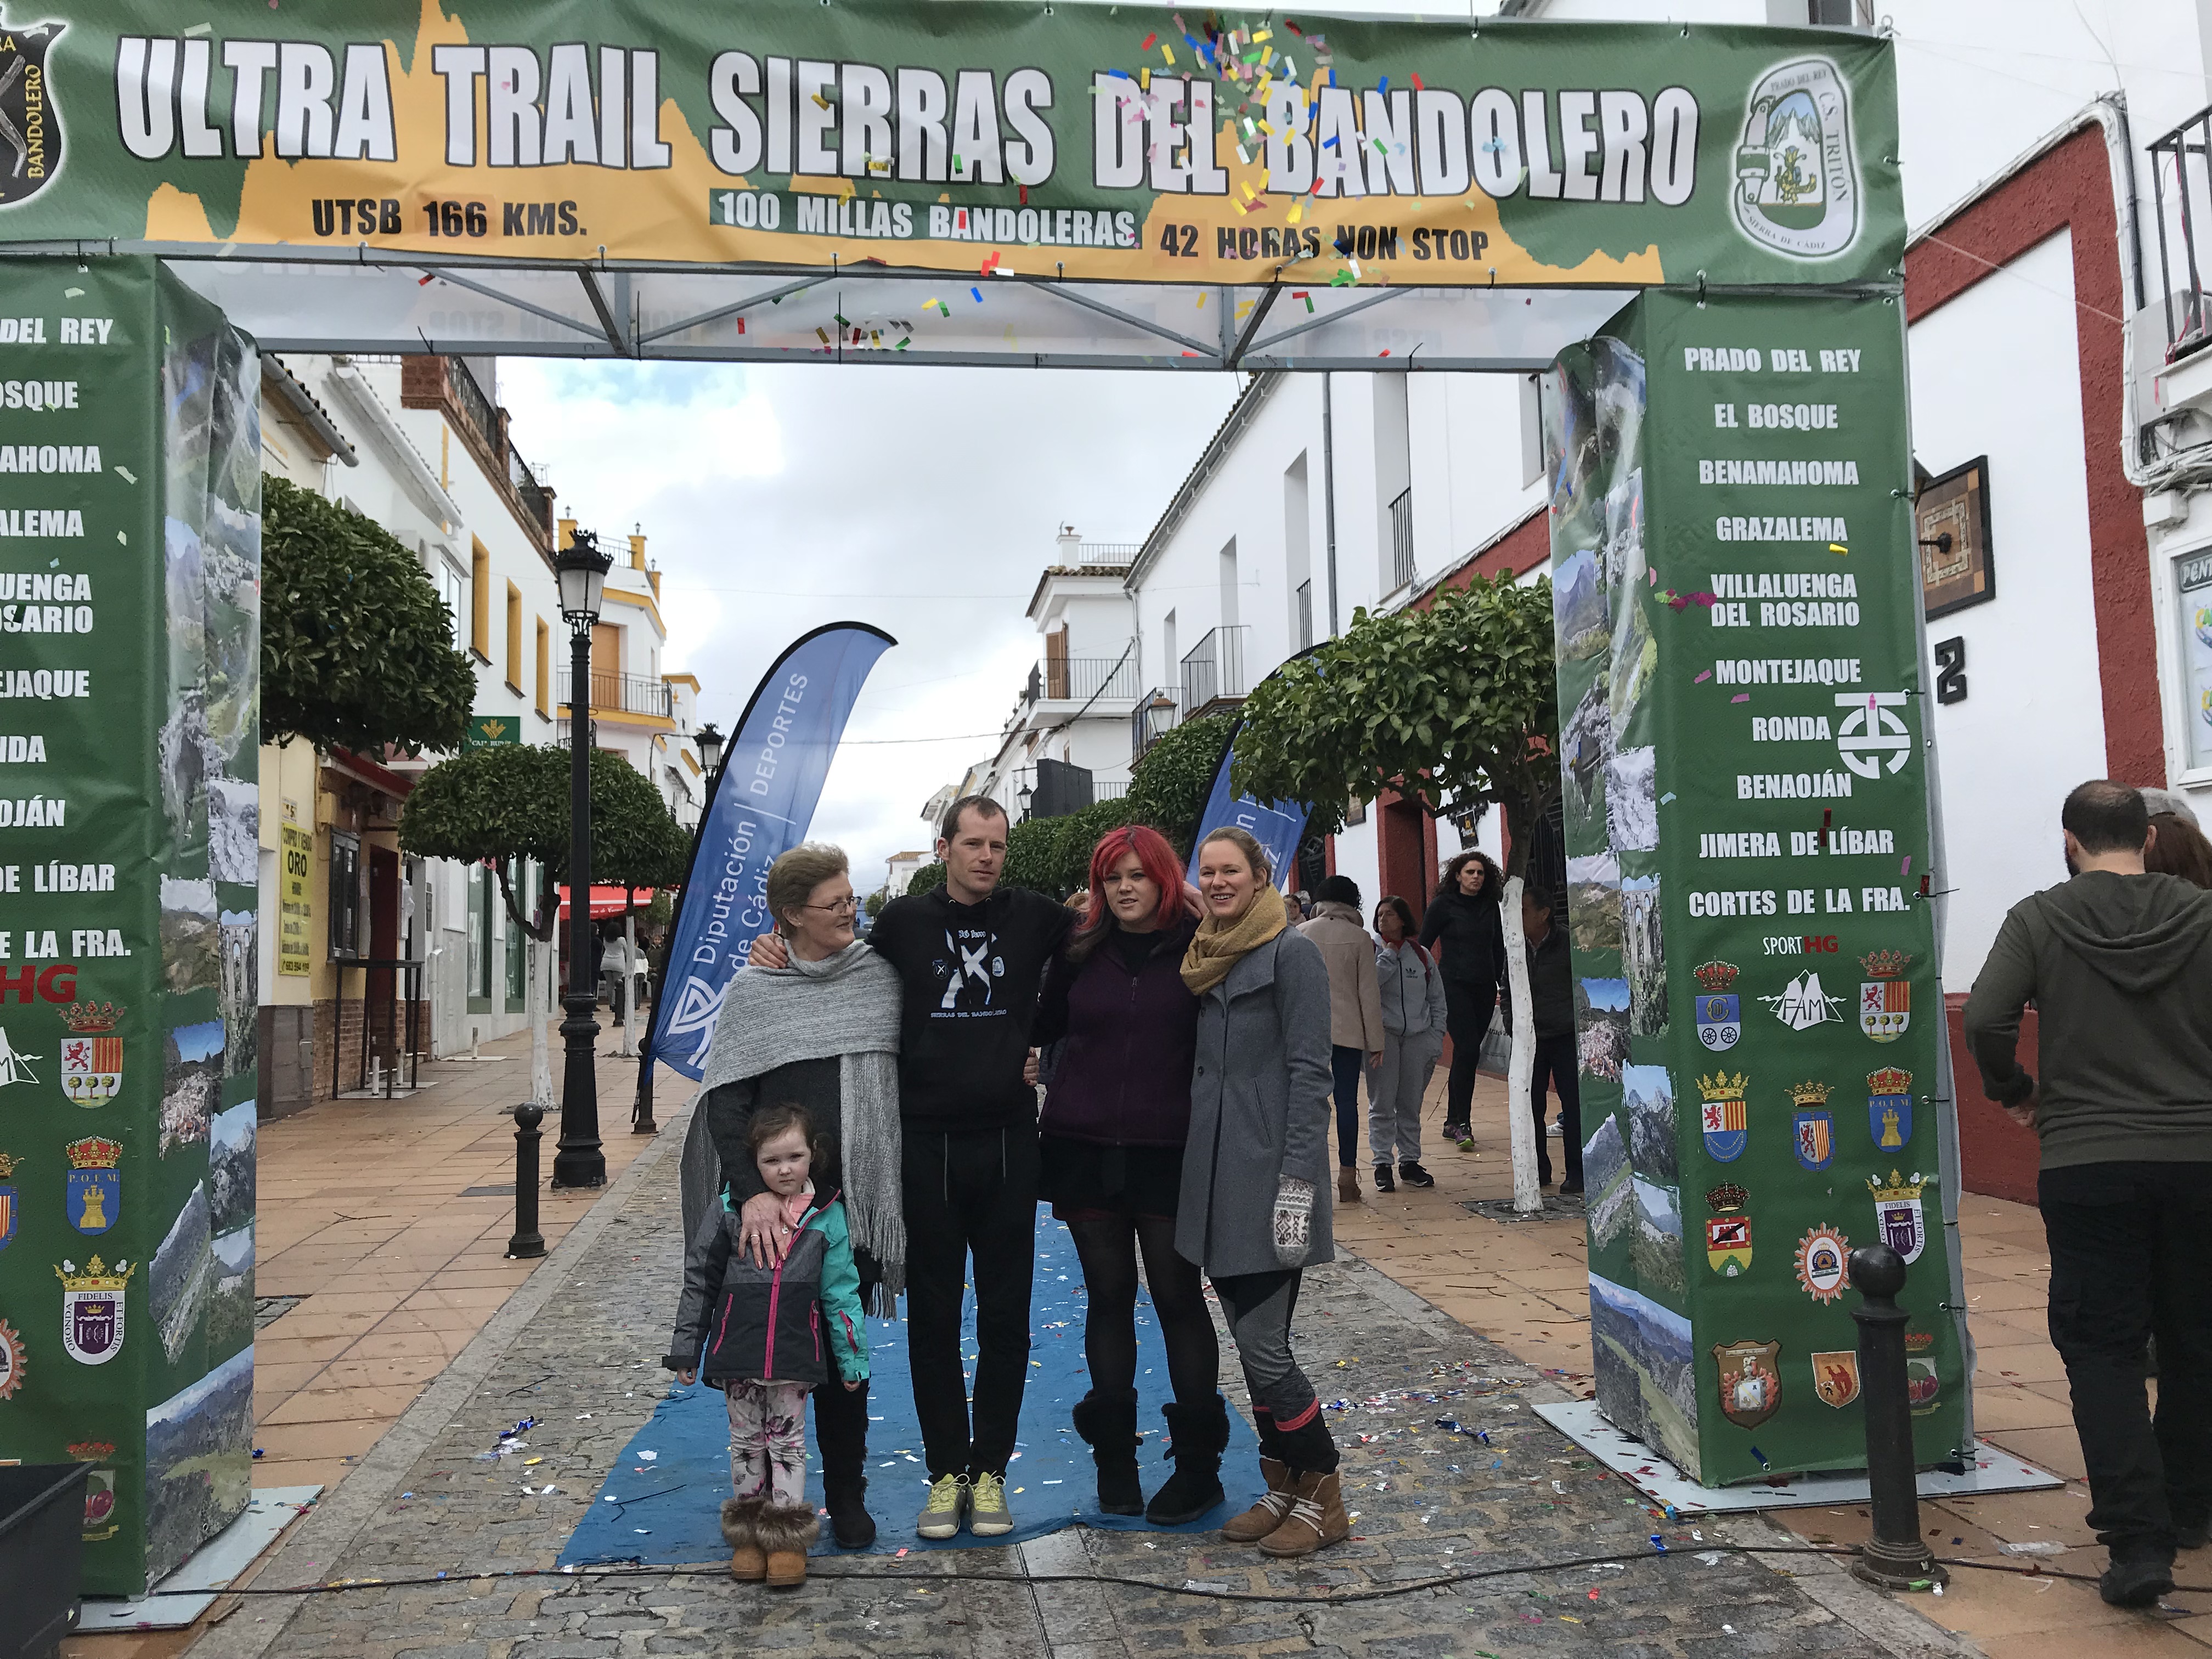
(1213, 669)
(476, 408)
(1401, 539)
(1153, 718)
(536, 498)
(1107, 791)
(1111, 552)
(628, 694)
(2181, 186)
(1078, 679)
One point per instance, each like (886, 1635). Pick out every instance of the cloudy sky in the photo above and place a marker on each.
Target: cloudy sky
(776, 499)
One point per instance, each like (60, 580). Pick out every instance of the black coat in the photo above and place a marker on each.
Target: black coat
(1473, 938)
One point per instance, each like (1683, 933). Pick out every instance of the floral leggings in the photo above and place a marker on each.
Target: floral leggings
(767, 1441)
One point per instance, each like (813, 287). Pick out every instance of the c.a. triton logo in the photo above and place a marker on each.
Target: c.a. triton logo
(30, 119)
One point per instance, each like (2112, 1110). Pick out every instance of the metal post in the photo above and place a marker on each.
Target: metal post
(528, 1242)
(579, 1161)
(1896, 1558)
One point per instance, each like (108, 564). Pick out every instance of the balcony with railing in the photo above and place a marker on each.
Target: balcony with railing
(614, 695)
(1401, 539)
(444, 384)
(1079, 679)
(1213, 671)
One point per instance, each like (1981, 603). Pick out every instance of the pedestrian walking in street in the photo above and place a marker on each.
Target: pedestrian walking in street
(1110, 1142)
(768, 1336)
(1463, 918)
(1552, 1003)
(1412, 990)
(971, 955)
(821, 1031)
(2118, 961)
(1355, 1014)
(1254, 1207)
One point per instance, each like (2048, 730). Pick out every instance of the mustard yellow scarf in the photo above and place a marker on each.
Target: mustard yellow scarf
(1219, 946)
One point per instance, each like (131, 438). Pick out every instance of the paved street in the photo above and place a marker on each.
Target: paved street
(576, 1349)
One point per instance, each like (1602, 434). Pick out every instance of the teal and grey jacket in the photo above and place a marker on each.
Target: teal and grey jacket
(798, 1321)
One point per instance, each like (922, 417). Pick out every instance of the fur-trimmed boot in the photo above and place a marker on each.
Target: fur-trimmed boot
(748, 1562)
(1199, 1434)
(1108, 1426)
(1316, 1517)
(783, 1531)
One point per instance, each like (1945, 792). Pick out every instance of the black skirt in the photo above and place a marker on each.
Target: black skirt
(1081, 1178)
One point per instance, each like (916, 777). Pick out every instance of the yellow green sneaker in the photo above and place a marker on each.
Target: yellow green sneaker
(948, 1500)
(988, 1515)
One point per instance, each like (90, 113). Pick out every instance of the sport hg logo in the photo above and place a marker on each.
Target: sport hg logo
(1798, 184)
(30, 121)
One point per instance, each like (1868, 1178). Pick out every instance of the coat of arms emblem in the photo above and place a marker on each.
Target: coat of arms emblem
(1796, 181)
(1727, 1235)
(100, 1522)
(92, 1055)
(1720, 1015)
(1897, 1213)
(96, 1183)
(1885, 998)
(1750, 1380)
(1836, 1378)
(1889, 1108)
(1813, 1130)
(30, 120)
(8, 1199)
(1723, 1118)
(92, 1309)
(11, 1360)
(1822, 1256)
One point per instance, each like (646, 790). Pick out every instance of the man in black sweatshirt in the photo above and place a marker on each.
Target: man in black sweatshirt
(2119, 964)
(972, 957)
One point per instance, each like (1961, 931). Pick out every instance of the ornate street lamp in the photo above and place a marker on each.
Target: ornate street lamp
(710, 741)
(581, 570)
(1023, 797)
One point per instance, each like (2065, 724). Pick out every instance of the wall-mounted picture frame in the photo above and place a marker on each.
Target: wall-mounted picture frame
(1951, 519)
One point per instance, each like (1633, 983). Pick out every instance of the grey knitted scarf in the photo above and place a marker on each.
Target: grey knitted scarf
(846, 1006)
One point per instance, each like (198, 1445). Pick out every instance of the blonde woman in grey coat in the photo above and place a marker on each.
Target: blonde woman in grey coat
(1254, 1209)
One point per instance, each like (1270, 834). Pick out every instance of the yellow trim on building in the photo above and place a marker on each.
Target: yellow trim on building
(621, 717)
(644, 601)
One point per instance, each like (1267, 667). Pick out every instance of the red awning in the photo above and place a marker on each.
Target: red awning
(609, 901)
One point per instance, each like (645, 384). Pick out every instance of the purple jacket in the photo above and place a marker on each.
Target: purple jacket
(1124, 1078)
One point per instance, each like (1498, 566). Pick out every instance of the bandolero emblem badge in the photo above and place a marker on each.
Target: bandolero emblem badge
(30, 120)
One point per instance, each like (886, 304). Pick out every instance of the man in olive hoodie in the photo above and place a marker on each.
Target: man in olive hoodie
(2119, 964)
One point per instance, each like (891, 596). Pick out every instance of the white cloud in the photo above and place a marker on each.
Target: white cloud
(776, 498)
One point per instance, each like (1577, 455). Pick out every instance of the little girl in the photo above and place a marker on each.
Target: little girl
(762, 1330)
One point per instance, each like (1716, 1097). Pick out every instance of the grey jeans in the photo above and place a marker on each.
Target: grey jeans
(1258, 1307)
(1395, 1089)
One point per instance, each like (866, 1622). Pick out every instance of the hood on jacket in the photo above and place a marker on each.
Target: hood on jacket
(2139, 932)
(1339, 911)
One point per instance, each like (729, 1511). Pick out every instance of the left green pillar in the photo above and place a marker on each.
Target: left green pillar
(130, 729)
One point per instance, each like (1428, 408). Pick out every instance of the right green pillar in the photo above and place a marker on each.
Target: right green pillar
(1743, 758)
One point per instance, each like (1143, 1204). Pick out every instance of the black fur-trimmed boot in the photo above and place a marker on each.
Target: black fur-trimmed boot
(1108, 1426)
(1199, 1435)
(748, 1561)
(783, 1533)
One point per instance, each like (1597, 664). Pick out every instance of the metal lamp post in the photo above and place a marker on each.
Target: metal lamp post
(581, 570)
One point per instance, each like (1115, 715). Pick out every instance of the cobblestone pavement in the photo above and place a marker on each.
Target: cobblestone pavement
(580, 1356)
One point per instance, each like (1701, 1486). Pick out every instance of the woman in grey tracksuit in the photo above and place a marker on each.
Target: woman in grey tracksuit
(1412, 988)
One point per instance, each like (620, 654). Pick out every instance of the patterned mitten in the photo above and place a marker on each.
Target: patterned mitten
(1294, 1202)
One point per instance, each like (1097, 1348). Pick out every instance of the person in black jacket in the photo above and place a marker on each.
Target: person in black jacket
(1463, 916)
(971, 955)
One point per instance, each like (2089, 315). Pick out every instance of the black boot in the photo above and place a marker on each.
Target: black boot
(840, 1432)
(1309, 1448)
(1200, 1434)
(1108, 1426)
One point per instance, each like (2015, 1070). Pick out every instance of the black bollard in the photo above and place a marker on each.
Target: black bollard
(1896, 1558)
(528, 1242)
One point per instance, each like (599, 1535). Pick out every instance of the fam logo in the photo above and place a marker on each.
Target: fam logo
(1797, 180)
(1803, 1002)
(14, 1064)
(1720, 1019)
(30, 122)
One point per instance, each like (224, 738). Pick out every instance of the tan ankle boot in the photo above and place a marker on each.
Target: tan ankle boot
(1264, 1516)
(784, 1531)
(748, 1561)
(1348, 1185)
(1316, 1518)
(749, 1564)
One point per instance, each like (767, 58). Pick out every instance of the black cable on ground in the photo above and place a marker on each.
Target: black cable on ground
(1190, 1588)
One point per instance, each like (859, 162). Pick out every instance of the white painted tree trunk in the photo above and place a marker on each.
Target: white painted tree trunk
(533, 1010)
(1527, 1193)
(630, 984)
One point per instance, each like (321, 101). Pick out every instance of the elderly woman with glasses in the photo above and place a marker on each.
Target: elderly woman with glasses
(820, 1033)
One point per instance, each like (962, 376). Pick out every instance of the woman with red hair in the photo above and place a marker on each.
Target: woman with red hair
(1111, 1138)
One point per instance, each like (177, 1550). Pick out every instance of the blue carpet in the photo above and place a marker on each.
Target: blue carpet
(662, 1502)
